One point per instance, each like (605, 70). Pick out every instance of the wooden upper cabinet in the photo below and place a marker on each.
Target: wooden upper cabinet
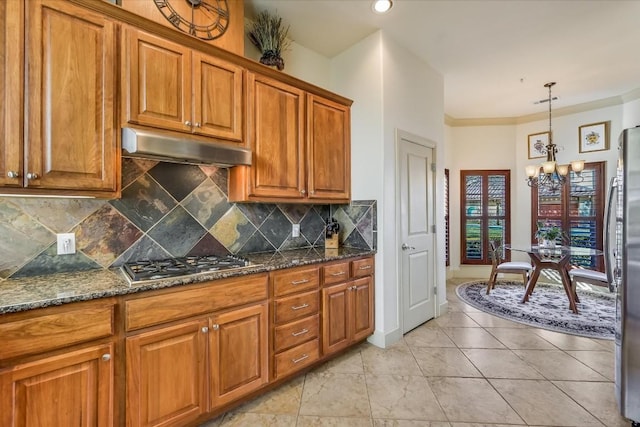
(11, 83)
(218, 97)
(293, 162)
(70, 52)
(75, 388)
(276, 112)
(329, 149)
(156, 82)
(169, 86)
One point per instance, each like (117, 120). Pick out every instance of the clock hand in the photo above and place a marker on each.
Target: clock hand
(217, 10)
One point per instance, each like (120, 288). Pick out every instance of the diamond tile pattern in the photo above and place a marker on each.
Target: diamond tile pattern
(166, 210)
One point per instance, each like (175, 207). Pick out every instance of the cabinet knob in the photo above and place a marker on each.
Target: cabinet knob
(106, 357)
(31, 175)
(204, 329)
(187, 123)
(216, 327)
(312, 192)
(12, 174)
(198, 124)
(303, 191)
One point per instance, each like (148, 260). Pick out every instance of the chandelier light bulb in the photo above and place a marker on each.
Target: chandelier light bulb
(577, 166)
(532, 170)
(548, 167)
(563, 170)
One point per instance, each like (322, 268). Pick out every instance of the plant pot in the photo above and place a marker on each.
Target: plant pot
(546, 243)
(272, 59)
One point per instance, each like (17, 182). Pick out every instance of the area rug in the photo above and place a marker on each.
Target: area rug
(547, 308)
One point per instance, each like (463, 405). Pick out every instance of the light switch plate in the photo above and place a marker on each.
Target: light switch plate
(66, 243)
(295, 230)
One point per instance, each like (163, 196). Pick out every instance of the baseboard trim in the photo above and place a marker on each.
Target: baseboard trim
(384, 340)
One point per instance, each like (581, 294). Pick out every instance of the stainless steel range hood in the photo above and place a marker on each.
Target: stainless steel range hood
(150, 145)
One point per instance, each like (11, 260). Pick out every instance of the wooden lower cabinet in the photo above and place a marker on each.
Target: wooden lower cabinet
(239, 354)
(347, 310)
(70, 389)
(166, 375)
(172, 370)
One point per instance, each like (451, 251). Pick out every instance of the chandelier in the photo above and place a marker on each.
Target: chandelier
(553, 175)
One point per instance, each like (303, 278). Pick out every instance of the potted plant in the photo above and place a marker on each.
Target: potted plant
(270, 36)
(548, 234)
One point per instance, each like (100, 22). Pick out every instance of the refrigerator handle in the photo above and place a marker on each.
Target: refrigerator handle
(607, 233)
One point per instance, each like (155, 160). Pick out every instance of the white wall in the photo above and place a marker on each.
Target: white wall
(391, 90)
(476, 147)
(631, 114)
(508, 149)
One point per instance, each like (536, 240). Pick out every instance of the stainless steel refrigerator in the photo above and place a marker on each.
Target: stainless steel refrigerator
(623, 268)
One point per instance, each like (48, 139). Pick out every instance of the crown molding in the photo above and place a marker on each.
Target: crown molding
(564, 111)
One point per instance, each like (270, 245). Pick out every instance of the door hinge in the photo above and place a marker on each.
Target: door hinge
(435, 289)
(433, 229)
(433, 167)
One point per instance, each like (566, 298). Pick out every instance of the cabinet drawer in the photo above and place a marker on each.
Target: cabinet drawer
(212, 296)
(296, 307)
(335, 273)
(58, 329)
(296, 358)
(296, 280)
(294, 333)
(362, 267)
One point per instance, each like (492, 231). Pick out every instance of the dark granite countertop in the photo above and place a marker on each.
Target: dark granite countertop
(29, 293)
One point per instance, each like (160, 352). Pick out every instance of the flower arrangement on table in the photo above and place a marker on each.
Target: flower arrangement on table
(548, 234)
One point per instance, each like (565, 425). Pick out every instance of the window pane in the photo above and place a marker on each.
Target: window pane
(474, 195)
(549, 204)
(473, 239)
(496, 231)
(497, 198)
(583, 234)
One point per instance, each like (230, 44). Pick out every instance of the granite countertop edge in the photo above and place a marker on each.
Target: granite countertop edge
(29, 293)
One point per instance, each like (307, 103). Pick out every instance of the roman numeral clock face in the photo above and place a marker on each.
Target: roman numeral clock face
(205, 19)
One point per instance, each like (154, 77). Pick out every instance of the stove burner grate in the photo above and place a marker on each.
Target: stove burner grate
(139, 271)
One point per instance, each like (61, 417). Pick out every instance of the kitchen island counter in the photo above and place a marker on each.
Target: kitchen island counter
(34, 292)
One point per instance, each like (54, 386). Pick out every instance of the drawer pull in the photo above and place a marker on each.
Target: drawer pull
(365, 267)
(302, 332)
(300, 282)
(304, 356)
(300, 307)
(339, 273)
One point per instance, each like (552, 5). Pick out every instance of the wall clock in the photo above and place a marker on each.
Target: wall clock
(205, 19)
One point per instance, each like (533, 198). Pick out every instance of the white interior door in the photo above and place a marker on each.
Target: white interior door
(417, 270)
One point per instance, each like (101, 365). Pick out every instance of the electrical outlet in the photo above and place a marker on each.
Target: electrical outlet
(295, 230)
(66, 243)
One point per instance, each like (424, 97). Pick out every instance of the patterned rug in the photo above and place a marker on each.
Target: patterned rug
(547, 308)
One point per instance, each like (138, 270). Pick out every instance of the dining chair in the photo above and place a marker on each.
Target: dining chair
(509, 267)
(584, 275)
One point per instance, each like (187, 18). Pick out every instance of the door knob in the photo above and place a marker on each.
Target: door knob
(406, 247)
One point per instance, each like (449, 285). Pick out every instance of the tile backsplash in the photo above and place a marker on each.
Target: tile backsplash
(166, 210)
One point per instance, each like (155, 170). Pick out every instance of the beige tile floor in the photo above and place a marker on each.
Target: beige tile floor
(464, 369)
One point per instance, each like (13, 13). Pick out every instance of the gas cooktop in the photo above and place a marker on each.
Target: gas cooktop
(138, 271)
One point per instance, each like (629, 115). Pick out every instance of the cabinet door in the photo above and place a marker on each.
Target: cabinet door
(218, 101)
(276, 113)
(328, 149)
(362, 319)
(70, 389)
(166, 375)
(156, 82)
(238, 353)
(336, 312)
(70, 115)
(11, 84)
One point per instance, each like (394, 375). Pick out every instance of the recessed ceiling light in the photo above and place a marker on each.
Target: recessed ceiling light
(381, 6)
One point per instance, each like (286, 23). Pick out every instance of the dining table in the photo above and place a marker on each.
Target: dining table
(555, 258)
